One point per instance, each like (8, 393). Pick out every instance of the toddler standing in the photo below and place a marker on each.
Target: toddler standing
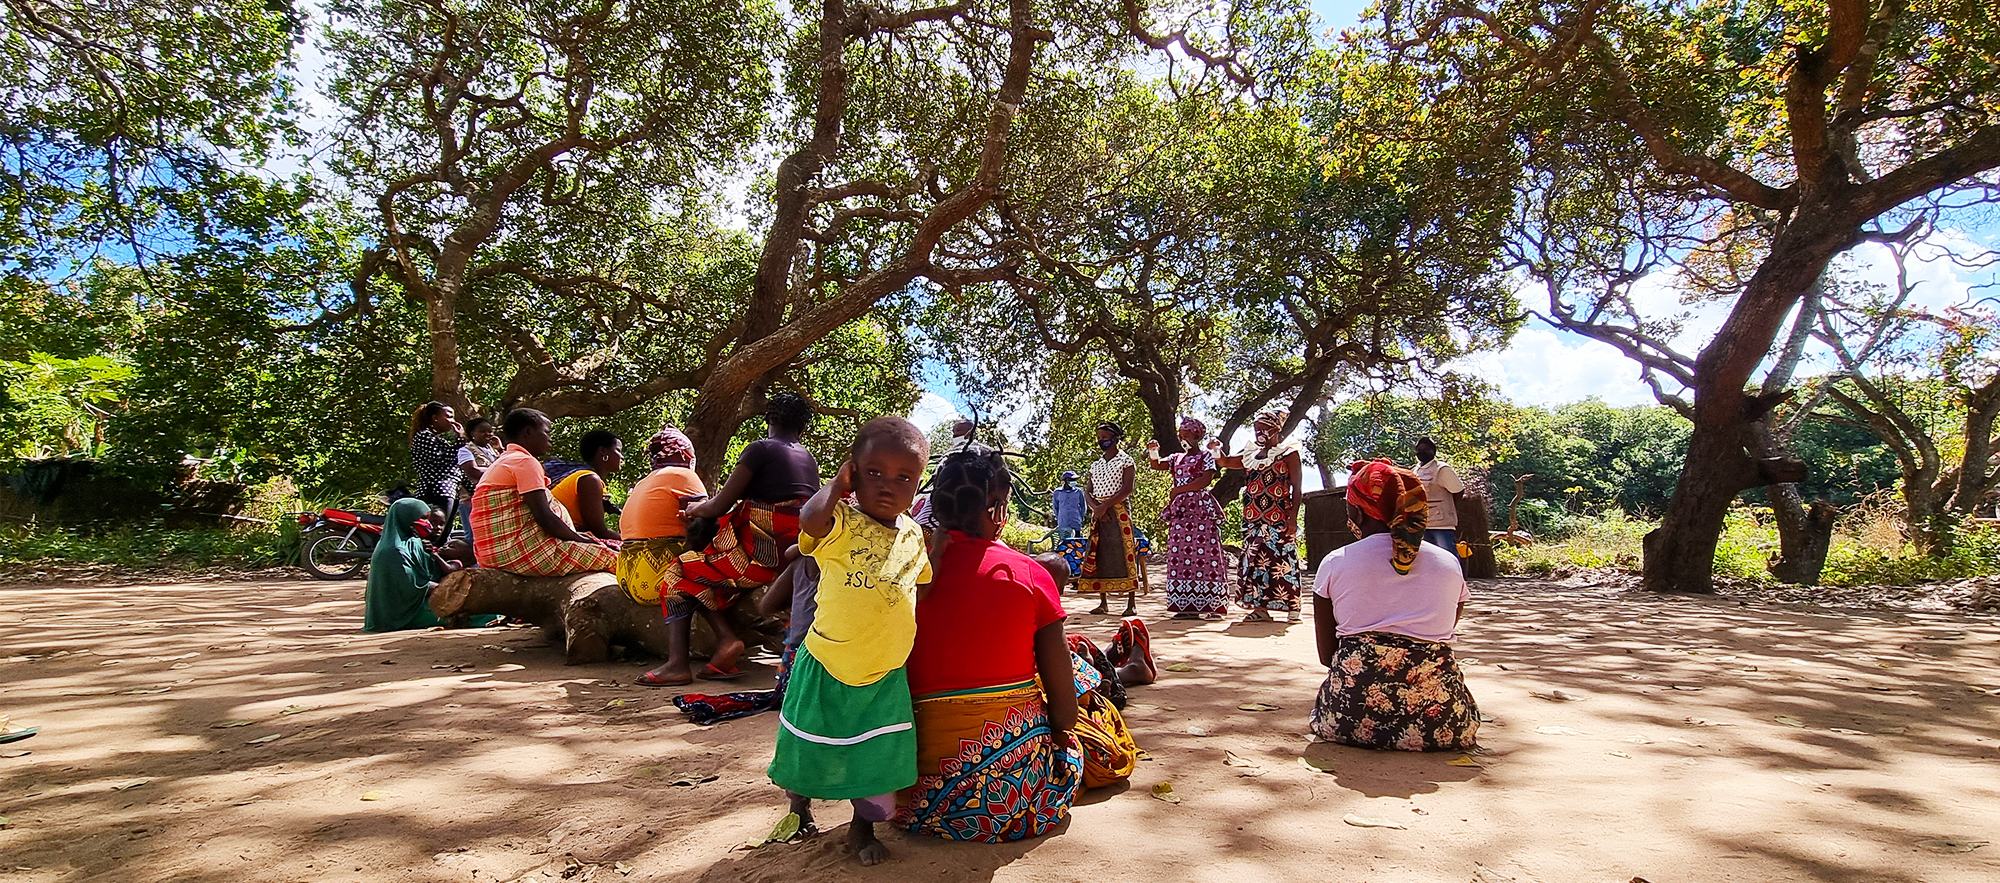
(846, 728)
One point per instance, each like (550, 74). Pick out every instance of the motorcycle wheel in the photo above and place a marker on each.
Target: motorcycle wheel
(319, 556)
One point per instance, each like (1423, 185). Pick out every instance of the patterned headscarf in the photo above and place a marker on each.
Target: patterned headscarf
(1189, 424)
(1113, 428)
(1393, 495)
(1274, 418)
(670, 447)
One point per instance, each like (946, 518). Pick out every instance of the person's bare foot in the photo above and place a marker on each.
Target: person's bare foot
(802, 807)
(1100, 609)
(726, 655)
(861, 841)
(1130, 610)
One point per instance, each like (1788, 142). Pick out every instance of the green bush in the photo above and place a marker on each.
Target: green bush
(253, 546)
(1974, 551)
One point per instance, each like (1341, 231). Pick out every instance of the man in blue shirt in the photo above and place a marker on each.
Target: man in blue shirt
(1067, 504)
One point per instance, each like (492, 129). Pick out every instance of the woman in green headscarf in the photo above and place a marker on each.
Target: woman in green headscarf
(402, 572)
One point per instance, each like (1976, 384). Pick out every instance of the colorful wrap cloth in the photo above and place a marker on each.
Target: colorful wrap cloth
(1073, 549)
(705, 709)
(1395, 692)
(841, 742)
(506, 537)
(1395, 496)
(644, 564)
(747, 552)
(1110, 562)
(1270, 579)
(989, 768)
(1197, 573)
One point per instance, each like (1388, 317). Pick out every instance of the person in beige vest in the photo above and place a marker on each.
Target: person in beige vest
(1441, 483)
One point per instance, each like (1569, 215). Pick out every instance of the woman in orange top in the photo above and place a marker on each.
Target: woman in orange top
(579, 487)
(652, 522)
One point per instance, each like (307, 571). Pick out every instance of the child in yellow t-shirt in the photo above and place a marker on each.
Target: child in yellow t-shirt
(846, 730)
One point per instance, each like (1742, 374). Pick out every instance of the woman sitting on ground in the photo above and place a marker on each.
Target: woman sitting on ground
(995, 759)
(516, 525)
(756, 518)
(655, 531)
(579, 487)
(1386, 608)
(402, 572)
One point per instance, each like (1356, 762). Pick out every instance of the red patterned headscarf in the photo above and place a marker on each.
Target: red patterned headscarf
(670, 447)
(1395, 496)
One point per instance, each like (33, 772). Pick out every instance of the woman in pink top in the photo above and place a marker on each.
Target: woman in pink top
(1385, 609)
(516, 526)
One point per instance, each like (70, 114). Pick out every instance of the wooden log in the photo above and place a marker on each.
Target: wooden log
(1475, 530)
(588, 612)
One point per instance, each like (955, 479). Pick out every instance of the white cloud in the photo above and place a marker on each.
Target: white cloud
(931, 410)
(1547, 367)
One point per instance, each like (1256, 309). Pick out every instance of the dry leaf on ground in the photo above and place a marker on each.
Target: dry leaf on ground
(1179, 666)
(1789, 721)
(1165, 791)
(1259, 706)
(1364, 822)
(372, 795)
(1314, 765)
(1557, 731)
(1951, 844)
(230, 724)
(1464, 760)
(1556, 696)
(263, 739)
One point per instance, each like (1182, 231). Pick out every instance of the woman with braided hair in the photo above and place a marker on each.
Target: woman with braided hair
(995, 758)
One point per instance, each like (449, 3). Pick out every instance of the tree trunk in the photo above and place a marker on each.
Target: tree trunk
(1162, 413)
(1805, 534)
(587, 611)
(1680, 553)
(1475, 523)
(441, 320)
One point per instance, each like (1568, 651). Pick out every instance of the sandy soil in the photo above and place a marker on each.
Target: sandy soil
(1712, 740)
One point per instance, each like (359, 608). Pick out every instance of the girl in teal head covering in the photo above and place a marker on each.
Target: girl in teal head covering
(401, 573)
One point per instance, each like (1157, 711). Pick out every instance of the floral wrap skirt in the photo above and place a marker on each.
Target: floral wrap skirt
(1396, 693)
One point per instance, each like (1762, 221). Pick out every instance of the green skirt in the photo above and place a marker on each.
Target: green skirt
(838, 742)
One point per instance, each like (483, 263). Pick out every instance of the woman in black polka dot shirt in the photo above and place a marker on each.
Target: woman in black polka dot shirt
(435, 438)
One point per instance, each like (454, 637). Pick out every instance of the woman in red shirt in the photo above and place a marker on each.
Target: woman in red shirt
(991, 625)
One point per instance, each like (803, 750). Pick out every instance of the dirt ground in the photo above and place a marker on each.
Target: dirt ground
(213, 731)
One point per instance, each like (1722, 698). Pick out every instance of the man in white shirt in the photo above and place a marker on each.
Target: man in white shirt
(1440, 483)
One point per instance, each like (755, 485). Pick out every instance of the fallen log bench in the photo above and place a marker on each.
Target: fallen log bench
(589, 613)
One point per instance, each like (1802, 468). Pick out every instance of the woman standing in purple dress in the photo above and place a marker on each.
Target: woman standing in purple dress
(1197, 575)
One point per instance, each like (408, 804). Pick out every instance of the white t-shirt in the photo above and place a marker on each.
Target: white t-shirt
(1368, 594)
(1440, 482)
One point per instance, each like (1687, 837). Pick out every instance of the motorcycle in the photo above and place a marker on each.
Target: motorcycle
(338, 543)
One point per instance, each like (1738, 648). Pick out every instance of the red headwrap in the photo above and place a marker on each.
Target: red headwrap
(1394, 496)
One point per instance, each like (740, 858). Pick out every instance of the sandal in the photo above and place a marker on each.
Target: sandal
(1138, 645)
(648, 680)
(710, 673)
